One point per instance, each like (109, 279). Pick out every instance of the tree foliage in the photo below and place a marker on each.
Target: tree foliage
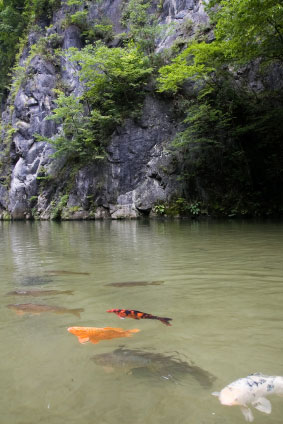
(114, 81)
(15, 18)
(250, 29)
(232, 132)
(142, 26)
(12, 25)
(76, 135)
(245, 30)
(112, 75)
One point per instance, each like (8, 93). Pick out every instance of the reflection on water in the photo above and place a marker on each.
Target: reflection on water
(221, 284)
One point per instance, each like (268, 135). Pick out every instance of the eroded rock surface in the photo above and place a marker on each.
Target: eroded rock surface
(138, 172)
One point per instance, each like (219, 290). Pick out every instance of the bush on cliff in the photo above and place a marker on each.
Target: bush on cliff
(114, 81)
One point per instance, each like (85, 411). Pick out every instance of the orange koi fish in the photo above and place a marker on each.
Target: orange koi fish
(126, 313)
(95, 335)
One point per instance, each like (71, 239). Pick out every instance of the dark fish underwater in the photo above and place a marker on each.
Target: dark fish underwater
(136, 284)
(36, 309)
(63, 272)
(131, 313)
(142, 363)
(36, 293)
(35, 280)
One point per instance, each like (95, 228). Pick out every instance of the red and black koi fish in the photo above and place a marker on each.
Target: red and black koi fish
(129, 313)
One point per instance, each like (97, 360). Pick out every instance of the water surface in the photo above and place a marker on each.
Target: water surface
(222, 285)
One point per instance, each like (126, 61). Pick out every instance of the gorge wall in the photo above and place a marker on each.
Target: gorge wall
(138, 171)
(128, 108)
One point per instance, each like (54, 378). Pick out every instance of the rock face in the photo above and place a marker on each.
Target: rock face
(138, 172)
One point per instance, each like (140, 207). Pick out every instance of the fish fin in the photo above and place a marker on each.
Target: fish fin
(94, 341)
(108, 369)
(135, 330)
(68, 292)
(83, 339)
(20, 313)
(165, 321)
(77, 312)
(122, 317)
(263, 405)
(215, 394)
(247, 414)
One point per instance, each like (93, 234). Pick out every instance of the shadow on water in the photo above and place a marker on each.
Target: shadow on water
(142, 363)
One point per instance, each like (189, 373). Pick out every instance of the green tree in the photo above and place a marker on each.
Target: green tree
(232, 133)
(12, 25)
(249, 29)
(244, 30)
(15, 18)
(76, 138)
(114, 81)
(114, 78)
(141, 24)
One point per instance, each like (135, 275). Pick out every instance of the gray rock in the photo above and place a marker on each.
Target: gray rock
(137, 173)
(102, 213)
(4, 197)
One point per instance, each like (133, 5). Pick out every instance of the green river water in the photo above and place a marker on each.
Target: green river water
(220, 282)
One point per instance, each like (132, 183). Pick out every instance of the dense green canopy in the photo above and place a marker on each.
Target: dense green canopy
(235, 115)
(15, 17)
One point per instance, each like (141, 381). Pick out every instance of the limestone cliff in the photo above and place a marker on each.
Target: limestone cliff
(138, 171)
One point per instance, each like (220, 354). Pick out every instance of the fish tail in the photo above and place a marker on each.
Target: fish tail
(77, 312)
(135, 330)
(68, 292)
(165, 321)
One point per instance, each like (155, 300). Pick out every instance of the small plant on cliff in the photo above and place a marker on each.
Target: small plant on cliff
(142, 25)
(101, 30)
(160, 209)
(76, 138)
(80, 19)
(194, 208)
(57, 208)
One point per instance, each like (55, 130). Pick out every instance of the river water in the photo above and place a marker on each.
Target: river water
(220, 282)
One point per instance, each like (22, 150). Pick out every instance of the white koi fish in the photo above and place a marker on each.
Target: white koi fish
(251, 390)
